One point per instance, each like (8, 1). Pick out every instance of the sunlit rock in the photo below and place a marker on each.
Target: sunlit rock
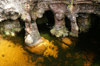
(67, 41)
(39, 48)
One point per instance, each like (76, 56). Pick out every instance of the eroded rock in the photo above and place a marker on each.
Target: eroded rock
(10, 27)
(30, 10)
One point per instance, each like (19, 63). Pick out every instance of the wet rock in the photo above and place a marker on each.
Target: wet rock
(39, 48)
(9, 27)
(64, 46)
(67, 41)
(30, 10)
(61, 32)
(84, 22)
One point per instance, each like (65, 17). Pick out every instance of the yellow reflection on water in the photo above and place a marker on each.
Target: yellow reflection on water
(13, 54)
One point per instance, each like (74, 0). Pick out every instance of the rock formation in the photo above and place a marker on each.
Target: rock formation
(30, 10)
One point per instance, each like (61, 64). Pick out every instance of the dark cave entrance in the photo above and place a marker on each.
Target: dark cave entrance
(86, 41)
(91, 39)
(46, 23)
(94, 29)
(67, 23)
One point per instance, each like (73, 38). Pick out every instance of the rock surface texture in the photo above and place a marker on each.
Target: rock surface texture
(30, 10)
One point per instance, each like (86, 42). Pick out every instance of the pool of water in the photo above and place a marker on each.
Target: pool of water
(67, 51)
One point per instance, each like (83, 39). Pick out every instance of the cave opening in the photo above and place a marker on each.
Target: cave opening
(67, 23)
(87, 41)
(94, 28)
(90, 39)
(46, 23)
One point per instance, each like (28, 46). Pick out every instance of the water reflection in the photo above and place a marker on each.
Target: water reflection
(68, 51)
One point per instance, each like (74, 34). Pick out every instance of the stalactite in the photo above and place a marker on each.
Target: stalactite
(30, 10)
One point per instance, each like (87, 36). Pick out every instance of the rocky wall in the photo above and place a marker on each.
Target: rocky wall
(30, 10)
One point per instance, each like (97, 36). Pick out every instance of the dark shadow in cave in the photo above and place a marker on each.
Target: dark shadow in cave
(46, 23)
(67, 23)
(86, 39)
(20, 34)
(90, 41)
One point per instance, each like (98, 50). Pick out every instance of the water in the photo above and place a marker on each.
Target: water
(68, 51)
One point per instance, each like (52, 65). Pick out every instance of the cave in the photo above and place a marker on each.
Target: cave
(50, 33)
